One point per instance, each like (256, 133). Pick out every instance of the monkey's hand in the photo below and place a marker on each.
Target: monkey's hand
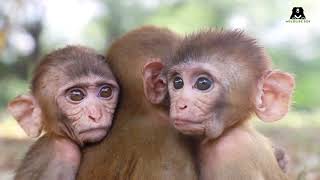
(282, 158)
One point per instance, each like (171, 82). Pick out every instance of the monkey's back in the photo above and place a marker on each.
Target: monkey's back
(139, 150)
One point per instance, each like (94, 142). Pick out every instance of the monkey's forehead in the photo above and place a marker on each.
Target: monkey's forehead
(218, 41)
(54, 78)
(78, 69)
(87, 81)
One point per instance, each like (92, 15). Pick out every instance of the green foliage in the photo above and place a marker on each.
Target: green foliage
(307, 90)
(11, 87)
(183, 16)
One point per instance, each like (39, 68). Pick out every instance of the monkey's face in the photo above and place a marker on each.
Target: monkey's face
(199, 100)
(193, 95)
(87, 106)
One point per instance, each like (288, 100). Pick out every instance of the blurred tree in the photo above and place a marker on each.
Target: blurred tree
(26, 32)
(21, 25)
(20, 29)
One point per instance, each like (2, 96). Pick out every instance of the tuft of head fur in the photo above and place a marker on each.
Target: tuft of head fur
(71, 61)
(128, 55)
(222, 45)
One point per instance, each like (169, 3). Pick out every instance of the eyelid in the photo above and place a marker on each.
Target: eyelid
(205, 75)
(75, 88)
(171, 75)
(105, 84)
(68, 91)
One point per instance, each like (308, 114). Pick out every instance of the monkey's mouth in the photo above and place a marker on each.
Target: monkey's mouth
(185, 123)
(96, 129)
(189, 127)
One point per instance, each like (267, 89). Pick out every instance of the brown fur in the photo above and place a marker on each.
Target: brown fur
(68, 124)
(40, 162)
(80, 61)
(236, 65)
(141, 145)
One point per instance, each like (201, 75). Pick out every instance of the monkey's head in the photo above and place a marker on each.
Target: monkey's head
(74, 94)
(218, 79)
(128, 56)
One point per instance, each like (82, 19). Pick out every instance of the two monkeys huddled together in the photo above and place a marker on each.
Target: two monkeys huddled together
(209, 86)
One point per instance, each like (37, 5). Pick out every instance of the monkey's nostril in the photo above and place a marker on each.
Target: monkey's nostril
(95, 117)
(183, 107)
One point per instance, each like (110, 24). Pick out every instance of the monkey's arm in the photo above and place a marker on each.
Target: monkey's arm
(50, 159)
(242, 154)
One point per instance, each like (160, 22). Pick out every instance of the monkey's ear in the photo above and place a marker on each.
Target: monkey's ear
(274, 95)
(27, 113)
(154, 83)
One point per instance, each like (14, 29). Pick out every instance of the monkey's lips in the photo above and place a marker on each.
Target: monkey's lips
(183, 121)
(188, 127)
(93, 134)
(95, 129)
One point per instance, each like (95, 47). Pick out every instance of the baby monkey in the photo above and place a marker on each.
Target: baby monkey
(216, 81)
(73, 98)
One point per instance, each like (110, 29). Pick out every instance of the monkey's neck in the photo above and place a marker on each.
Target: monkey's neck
(244, 124)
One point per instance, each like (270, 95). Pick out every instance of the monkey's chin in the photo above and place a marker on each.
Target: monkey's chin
(94, 135)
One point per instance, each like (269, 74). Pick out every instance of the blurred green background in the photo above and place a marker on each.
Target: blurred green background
(31, 28)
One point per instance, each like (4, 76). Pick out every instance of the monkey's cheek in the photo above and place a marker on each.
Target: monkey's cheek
(213, 130)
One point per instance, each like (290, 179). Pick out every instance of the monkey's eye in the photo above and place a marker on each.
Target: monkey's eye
(105, 92)
(76, 95)
(178, 82)
(203, 83)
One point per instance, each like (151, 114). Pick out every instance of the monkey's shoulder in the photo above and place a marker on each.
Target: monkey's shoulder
(49, 157)
(245, 152)
(244, 143)
(36, 158)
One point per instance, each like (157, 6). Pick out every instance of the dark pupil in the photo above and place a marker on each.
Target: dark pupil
(178, 83)
(76, 95)
(105, 92)
(203, 83)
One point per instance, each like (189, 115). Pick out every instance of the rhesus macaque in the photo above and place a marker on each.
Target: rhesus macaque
(73, 98)
(142, 144)
(216, 81)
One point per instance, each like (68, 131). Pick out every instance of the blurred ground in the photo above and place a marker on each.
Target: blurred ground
(298, 134)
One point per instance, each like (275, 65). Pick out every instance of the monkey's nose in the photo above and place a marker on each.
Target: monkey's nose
(93, 118)
(182, 106)
(94, 115)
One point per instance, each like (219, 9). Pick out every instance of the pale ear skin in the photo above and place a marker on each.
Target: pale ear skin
(154, 84)
(274, 95)
(27, 113)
